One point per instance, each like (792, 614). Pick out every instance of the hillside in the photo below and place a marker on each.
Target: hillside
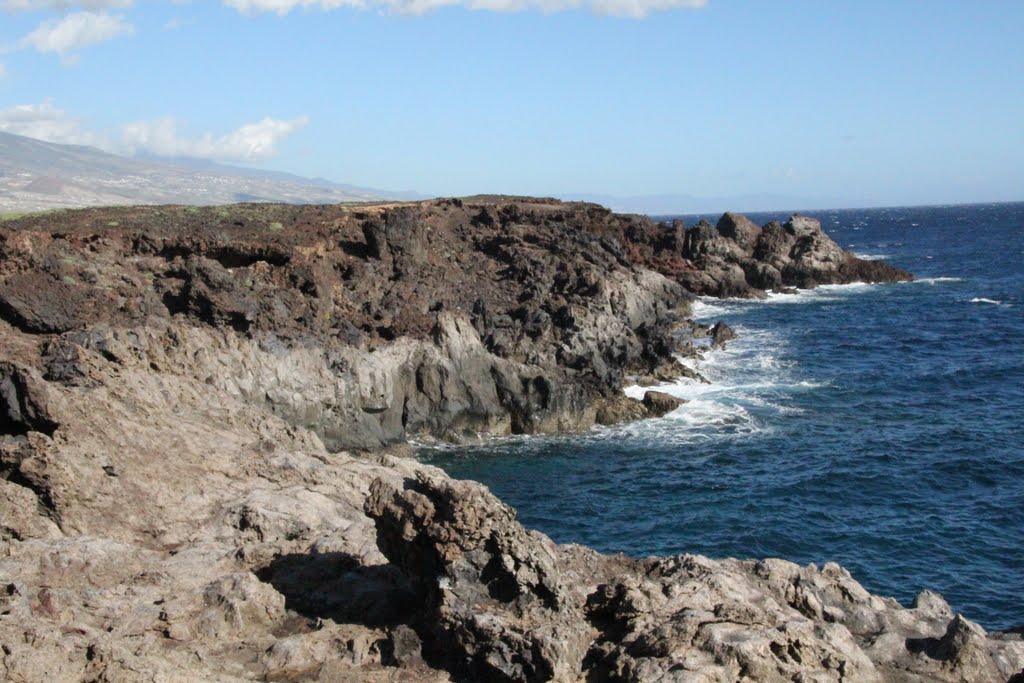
(37, 175)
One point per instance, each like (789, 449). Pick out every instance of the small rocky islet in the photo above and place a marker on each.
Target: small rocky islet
(202, 419)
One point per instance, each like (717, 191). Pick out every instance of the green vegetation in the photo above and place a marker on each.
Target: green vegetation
(276, 225)
(13, 215)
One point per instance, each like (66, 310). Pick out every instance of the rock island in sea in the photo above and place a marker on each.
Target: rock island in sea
(201, 420)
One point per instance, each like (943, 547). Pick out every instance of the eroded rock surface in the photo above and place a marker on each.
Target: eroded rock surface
(503, 603)
(736, 258)
(192, 405)
(376, 324)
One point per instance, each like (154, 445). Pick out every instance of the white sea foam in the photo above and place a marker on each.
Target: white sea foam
(871, 257)
(938, 280)
(708, 309)
(981, 300)
(819, 293)
(750, 383)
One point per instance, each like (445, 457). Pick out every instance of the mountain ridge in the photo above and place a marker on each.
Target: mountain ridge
(37, 175)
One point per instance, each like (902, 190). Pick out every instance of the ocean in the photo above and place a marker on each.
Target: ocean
(878, 426)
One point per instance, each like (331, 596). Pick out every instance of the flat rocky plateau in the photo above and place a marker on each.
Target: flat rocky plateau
(203, 415)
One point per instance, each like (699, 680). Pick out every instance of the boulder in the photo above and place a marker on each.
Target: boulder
(495, 605)
(721, 333)
(740, 230)
(658, 403)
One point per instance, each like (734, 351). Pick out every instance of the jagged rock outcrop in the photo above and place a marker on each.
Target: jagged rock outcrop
(736, 258)
(495, 603)
(180, 391)
(439, 319)
(379, 323)
(502, 603)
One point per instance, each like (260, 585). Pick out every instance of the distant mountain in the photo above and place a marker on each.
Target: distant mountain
(36, 175)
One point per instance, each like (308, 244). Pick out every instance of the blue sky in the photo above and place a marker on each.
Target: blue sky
(829, 103)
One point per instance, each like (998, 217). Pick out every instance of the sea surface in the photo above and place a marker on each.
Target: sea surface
(878, 426)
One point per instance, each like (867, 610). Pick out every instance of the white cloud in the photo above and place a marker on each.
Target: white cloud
(75, 31)
(46, 122)
(35, 5)
(3, 70)
(286, 6)
(251, 142)
(619, 8)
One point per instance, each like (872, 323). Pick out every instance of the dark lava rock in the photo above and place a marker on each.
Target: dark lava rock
(618, 409)
(658, 403)
(721, 333)
(438, 319)
(740, 230)
(735, 258)
(434, 319)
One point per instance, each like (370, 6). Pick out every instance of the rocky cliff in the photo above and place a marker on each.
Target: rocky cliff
(193, 404)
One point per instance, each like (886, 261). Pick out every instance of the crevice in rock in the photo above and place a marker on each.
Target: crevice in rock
(200, 307)
(337, 586)
(231, 256)
(355, 249)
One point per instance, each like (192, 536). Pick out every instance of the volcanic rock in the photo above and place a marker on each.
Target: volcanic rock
(192, 487)
(735, 258)
(721, 333)
(658, 403)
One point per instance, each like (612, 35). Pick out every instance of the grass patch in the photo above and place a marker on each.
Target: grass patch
(276, 226)
(14, 215)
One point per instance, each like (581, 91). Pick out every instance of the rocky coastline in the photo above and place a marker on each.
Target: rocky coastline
(202, 419)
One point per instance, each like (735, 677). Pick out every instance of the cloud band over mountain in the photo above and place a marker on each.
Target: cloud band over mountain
(160, 137)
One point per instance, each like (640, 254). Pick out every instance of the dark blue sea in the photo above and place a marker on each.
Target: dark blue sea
(878, 426)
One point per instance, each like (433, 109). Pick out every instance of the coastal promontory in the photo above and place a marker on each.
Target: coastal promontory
(204, 415)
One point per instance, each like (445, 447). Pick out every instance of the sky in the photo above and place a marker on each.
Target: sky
(866, 103)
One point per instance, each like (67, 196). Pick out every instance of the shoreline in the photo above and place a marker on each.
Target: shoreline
(194, 408)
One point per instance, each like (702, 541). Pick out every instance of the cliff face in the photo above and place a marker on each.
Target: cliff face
(379, 324)
(438, 319)
(180, 392)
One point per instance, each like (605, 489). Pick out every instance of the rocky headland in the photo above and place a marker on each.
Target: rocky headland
(202, 414)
